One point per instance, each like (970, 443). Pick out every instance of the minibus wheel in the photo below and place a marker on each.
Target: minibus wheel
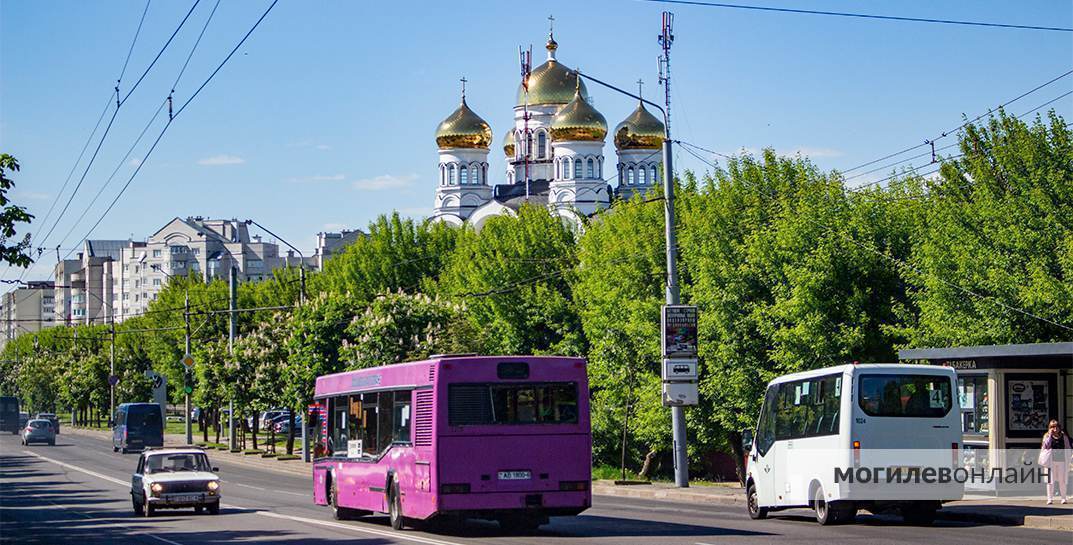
(919, 513)
(395, 507)
(755, 511)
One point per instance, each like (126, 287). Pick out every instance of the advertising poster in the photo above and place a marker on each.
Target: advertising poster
(1028, 404)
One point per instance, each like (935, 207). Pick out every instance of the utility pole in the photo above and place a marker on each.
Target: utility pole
(233, 304)
(678, 414)
(111, 373)
(187, 370)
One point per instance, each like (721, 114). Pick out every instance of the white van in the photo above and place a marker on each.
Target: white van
(815, 426)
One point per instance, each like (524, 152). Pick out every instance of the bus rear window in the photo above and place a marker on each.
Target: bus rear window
(920, 396)
(532, 403)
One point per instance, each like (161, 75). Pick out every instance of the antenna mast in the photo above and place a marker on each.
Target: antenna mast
(665, 41)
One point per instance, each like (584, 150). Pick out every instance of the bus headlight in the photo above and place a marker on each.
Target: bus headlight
(213, 486)
(156, 488)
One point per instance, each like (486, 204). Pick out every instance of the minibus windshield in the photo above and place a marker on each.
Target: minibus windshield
(920, 396)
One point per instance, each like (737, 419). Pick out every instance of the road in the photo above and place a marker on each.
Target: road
(78, 492)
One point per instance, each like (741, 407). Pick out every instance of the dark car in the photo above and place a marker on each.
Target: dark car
(9, 414)
(51, 417)
(137, 425)
(39, 431)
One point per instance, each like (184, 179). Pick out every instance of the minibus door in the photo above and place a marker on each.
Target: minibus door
(763, 452)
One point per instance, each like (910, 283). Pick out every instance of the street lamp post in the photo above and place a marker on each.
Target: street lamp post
(678, 421)
(301, 301)
(186, 370)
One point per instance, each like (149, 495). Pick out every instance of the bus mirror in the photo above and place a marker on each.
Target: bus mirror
(747, 440)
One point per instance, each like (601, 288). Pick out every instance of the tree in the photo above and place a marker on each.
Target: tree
(998, 236)
(399, 327)
(18, 253)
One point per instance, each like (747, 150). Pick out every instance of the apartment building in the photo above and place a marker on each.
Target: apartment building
(27, 310)
(329, 244)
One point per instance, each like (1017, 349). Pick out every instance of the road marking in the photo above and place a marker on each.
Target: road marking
(135, 530)
(363, 529)
(247, 486)
(291, 493)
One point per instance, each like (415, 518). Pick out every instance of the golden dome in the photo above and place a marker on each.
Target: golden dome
(551, 82)
(578, 120)
(641, 130)
(463, 129)
(508, 143)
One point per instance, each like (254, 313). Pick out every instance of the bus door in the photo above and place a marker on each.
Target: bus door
(763, 453)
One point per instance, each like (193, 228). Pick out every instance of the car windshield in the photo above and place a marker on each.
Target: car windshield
(187, 461)
(38, 424)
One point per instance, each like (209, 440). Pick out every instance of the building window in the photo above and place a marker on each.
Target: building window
(156, 253)
(591, 167)
(137, 283)
(654, 177)
(178, 250)
(629, 175)
(542, 143)
(529, 145)
(196, 251)
(443, 175)
(451, 175)
(464, 175)
(484, 174)
(255, 264)
(156, 281)
(642, 177)
(577, 168)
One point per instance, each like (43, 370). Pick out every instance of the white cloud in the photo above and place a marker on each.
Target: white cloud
(317, 178)
(385, 181)
(310, 144)
(222, 159)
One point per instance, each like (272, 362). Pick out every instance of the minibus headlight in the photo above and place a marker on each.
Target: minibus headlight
(462, 488)
(574, 486)
(214, 486)
(157, 488)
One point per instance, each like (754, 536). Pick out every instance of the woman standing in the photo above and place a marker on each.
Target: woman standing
(1055, 455)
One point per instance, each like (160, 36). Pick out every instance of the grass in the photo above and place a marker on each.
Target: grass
(612, 473)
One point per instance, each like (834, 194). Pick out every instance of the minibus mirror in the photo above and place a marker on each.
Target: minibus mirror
(747, 440)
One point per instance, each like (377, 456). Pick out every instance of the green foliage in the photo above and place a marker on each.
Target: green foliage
(18, 253)
(400, 327)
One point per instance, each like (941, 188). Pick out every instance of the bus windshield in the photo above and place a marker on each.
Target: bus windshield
(512, 403)
(921, 396)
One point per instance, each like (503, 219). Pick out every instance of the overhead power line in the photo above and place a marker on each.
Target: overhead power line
(862, 15)
(175, 116)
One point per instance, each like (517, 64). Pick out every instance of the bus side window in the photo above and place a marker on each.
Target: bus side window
(401, 414)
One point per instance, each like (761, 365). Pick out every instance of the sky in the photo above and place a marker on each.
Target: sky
(324, 118)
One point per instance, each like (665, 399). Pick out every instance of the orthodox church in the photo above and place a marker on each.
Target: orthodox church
(554, 153)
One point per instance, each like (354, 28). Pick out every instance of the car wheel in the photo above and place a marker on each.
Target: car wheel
(139, 509)
(753, 499)
(395, 508)
(214, 508)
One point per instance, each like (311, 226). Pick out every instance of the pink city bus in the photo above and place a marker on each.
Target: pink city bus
(503, 438)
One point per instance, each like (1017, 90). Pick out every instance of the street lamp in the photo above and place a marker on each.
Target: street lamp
(678, 420)
(186, 370)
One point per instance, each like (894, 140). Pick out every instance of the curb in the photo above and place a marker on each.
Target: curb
(673, 495)
(1049, 523)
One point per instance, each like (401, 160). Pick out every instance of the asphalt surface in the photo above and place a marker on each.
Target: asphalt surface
(78, 492)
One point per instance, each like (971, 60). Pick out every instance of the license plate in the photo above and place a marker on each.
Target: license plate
(184, 499)
(515, 475)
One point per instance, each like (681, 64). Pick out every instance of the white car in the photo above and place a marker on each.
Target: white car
(172, 478)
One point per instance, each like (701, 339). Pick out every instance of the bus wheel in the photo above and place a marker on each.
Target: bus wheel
(919, 513)
(755, 511)
(338, 513)
(395, 507)
(828, 513)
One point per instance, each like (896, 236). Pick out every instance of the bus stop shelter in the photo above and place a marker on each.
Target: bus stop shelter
(1007, 393)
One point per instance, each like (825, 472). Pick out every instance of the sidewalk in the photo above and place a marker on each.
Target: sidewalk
(1027, 512)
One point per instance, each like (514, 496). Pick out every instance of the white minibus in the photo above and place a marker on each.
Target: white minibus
(843, 438)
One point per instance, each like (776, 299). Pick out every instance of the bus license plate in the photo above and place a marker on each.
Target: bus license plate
(515, 475)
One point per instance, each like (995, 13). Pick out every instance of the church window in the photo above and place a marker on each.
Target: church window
(629, 176)
(654, 177)
(451, 175)
(542, 144)
(642, 178)
(529, 145)
(577, 168)
(443, 175)
(591, 168)
(464, 175)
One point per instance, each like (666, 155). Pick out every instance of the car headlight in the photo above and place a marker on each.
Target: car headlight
(156, 488)
(214, 486)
